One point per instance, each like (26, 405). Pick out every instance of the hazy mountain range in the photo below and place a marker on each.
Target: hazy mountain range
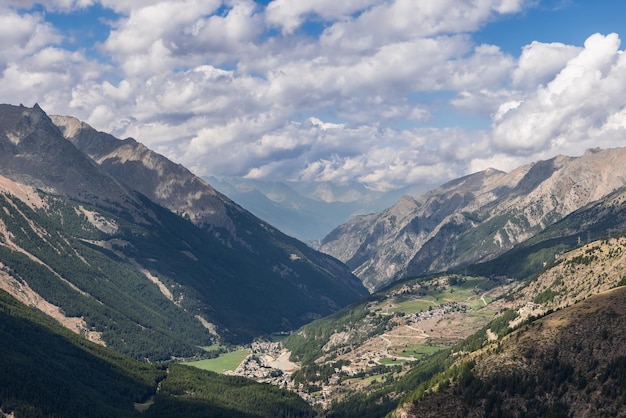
(308, 210)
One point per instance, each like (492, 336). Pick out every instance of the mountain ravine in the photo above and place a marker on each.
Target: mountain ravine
(474, 218)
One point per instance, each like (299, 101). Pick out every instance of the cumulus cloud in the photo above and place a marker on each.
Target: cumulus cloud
(289, 15)
(169, 34)
(232, 87)
(540, 62)
(403, 20)
(33, 65)
(571, 108)
(23, 35)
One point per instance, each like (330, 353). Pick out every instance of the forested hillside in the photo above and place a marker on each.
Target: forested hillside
(48, 371)
(151, 274)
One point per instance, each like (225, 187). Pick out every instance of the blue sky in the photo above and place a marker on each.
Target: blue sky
(82, 28)
(386, 93)
(566, 21)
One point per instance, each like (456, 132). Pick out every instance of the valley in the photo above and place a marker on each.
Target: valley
(395, 331)
(382, 340)
(162, 285)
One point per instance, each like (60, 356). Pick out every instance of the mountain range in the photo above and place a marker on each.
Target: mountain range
(307, 210)
(472, 219)
(497, 294)
(135, 251)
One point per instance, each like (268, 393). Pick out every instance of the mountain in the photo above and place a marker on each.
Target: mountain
(279, 204)
(306, 210)
(602, 218)
(472, 219)
(48, 371)
(34, 153)
(132, 250)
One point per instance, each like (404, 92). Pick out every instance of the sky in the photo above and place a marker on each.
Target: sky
(385, 93)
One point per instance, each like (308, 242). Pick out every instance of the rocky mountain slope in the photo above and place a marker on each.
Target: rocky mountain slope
(569, 363)
(82, 239)
(162, 181)
(474, 218)
(35, 154)
(176, 188)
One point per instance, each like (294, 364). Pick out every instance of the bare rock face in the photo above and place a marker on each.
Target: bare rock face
(474, 218)
(162, 181)
(34, 152)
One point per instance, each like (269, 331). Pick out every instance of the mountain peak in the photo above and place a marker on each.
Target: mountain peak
(36, 153)
(153, 175)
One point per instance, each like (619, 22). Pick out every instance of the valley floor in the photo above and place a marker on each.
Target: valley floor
(419, 319)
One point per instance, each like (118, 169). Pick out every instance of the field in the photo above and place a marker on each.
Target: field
(411, 306)
(417, 351)
(471, 292)
(225, 362)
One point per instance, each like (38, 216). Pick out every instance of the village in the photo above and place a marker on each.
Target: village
(269, 361)
(418, 320)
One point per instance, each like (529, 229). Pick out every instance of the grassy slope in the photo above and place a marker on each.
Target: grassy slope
(228, 361)
(570, 362)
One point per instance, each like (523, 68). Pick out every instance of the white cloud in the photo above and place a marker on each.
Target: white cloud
(568, 110)
(402, 20)
(23, 35)
(230, 87)
(54, 5)
(165, 35)
(161, 21)
(289, 15)
(540, 62)
(486, 67)
(504, 108)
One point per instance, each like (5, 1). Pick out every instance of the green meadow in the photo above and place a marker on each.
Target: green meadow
(416, 350)
(225, 362)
